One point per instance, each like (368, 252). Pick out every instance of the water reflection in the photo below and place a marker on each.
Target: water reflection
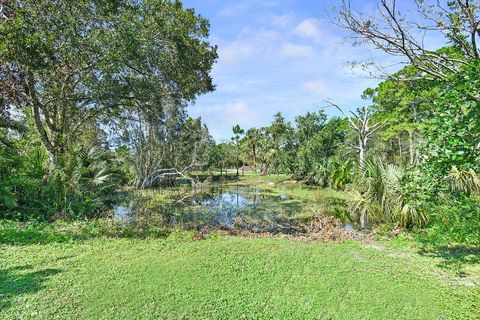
(246, 207)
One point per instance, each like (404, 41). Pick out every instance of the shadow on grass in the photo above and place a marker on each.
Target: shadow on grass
(17, 233)
(18, 281)
(453, 257)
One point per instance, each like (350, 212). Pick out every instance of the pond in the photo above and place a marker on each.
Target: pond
(218, 205)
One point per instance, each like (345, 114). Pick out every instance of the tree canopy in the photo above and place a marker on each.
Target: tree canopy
(73, 63)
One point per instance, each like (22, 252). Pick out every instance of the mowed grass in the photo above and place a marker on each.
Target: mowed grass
(226, 278)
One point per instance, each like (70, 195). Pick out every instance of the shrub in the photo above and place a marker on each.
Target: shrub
(381, 196)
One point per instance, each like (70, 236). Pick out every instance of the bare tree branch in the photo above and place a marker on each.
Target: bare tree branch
(401, 35)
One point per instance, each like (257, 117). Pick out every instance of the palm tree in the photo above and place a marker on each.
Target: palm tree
(252, 137)
(466, 181)
(238, 132)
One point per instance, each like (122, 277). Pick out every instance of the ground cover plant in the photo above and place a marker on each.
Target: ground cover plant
(229, 278)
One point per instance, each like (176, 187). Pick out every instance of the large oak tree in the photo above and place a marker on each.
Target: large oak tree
(70, 63)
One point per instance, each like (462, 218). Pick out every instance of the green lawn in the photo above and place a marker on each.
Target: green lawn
(227, 278)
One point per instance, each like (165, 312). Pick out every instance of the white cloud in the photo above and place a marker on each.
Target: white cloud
(235, 52)
(249, 44)
(239, 8)
(290, 50)
(240, 112)
(221, 117)
(233, 10)
(272, 60)
(309, 28)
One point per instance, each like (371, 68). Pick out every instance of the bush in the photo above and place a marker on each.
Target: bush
(81, 188)
(454, 220)
(381, 196)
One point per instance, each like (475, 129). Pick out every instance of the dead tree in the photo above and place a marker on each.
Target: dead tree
(168, 176)
(360, 122)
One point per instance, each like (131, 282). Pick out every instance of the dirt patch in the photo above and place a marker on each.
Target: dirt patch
(324, 228)
(321, 228)
(468, 282)
(373, 246)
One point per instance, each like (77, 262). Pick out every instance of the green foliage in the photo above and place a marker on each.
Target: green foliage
(466, 181)
(125, 163)
(281, 144)
(309, 125)
(221, 156)
(446, 180)
(451, 138)
(192, 144)
(433, 125)
(85, 184)
(380, 195)
(81, 79)
(21, 183)
(74, 69)
(341, 172)
(454, 221)
(315, 162)
(403, 107)
(237, 134)
(82, 187)
(302, 150)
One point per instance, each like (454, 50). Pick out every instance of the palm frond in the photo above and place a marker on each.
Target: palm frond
(466, 181)
(381, 195)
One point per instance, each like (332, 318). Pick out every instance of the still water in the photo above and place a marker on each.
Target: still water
(244, 207)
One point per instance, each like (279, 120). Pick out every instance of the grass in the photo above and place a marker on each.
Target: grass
(283, 184)
(102, 270)
(226, 278)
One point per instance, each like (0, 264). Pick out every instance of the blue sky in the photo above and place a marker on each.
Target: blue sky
(278, 56)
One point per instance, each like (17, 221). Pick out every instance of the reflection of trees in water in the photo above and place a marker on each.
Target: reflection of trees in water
(230, 206)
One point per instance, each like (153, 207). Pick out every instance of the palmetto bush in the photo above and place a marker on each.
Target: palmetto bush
(21, 185)
(86, 183)
(81, 187)
(335, 173)
(379, 196)
(340, 172)
(466, 181)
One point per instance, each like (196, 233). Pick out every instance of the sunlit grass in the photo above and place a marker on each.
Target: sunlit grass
(226, 278)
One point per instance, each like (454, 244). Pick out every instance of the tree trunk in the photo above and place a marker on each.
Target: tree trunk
(363, 219)
(236, 163)
(400, 150)
(411, 147)
(35, 104)
(254, 158)
(362, 149)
